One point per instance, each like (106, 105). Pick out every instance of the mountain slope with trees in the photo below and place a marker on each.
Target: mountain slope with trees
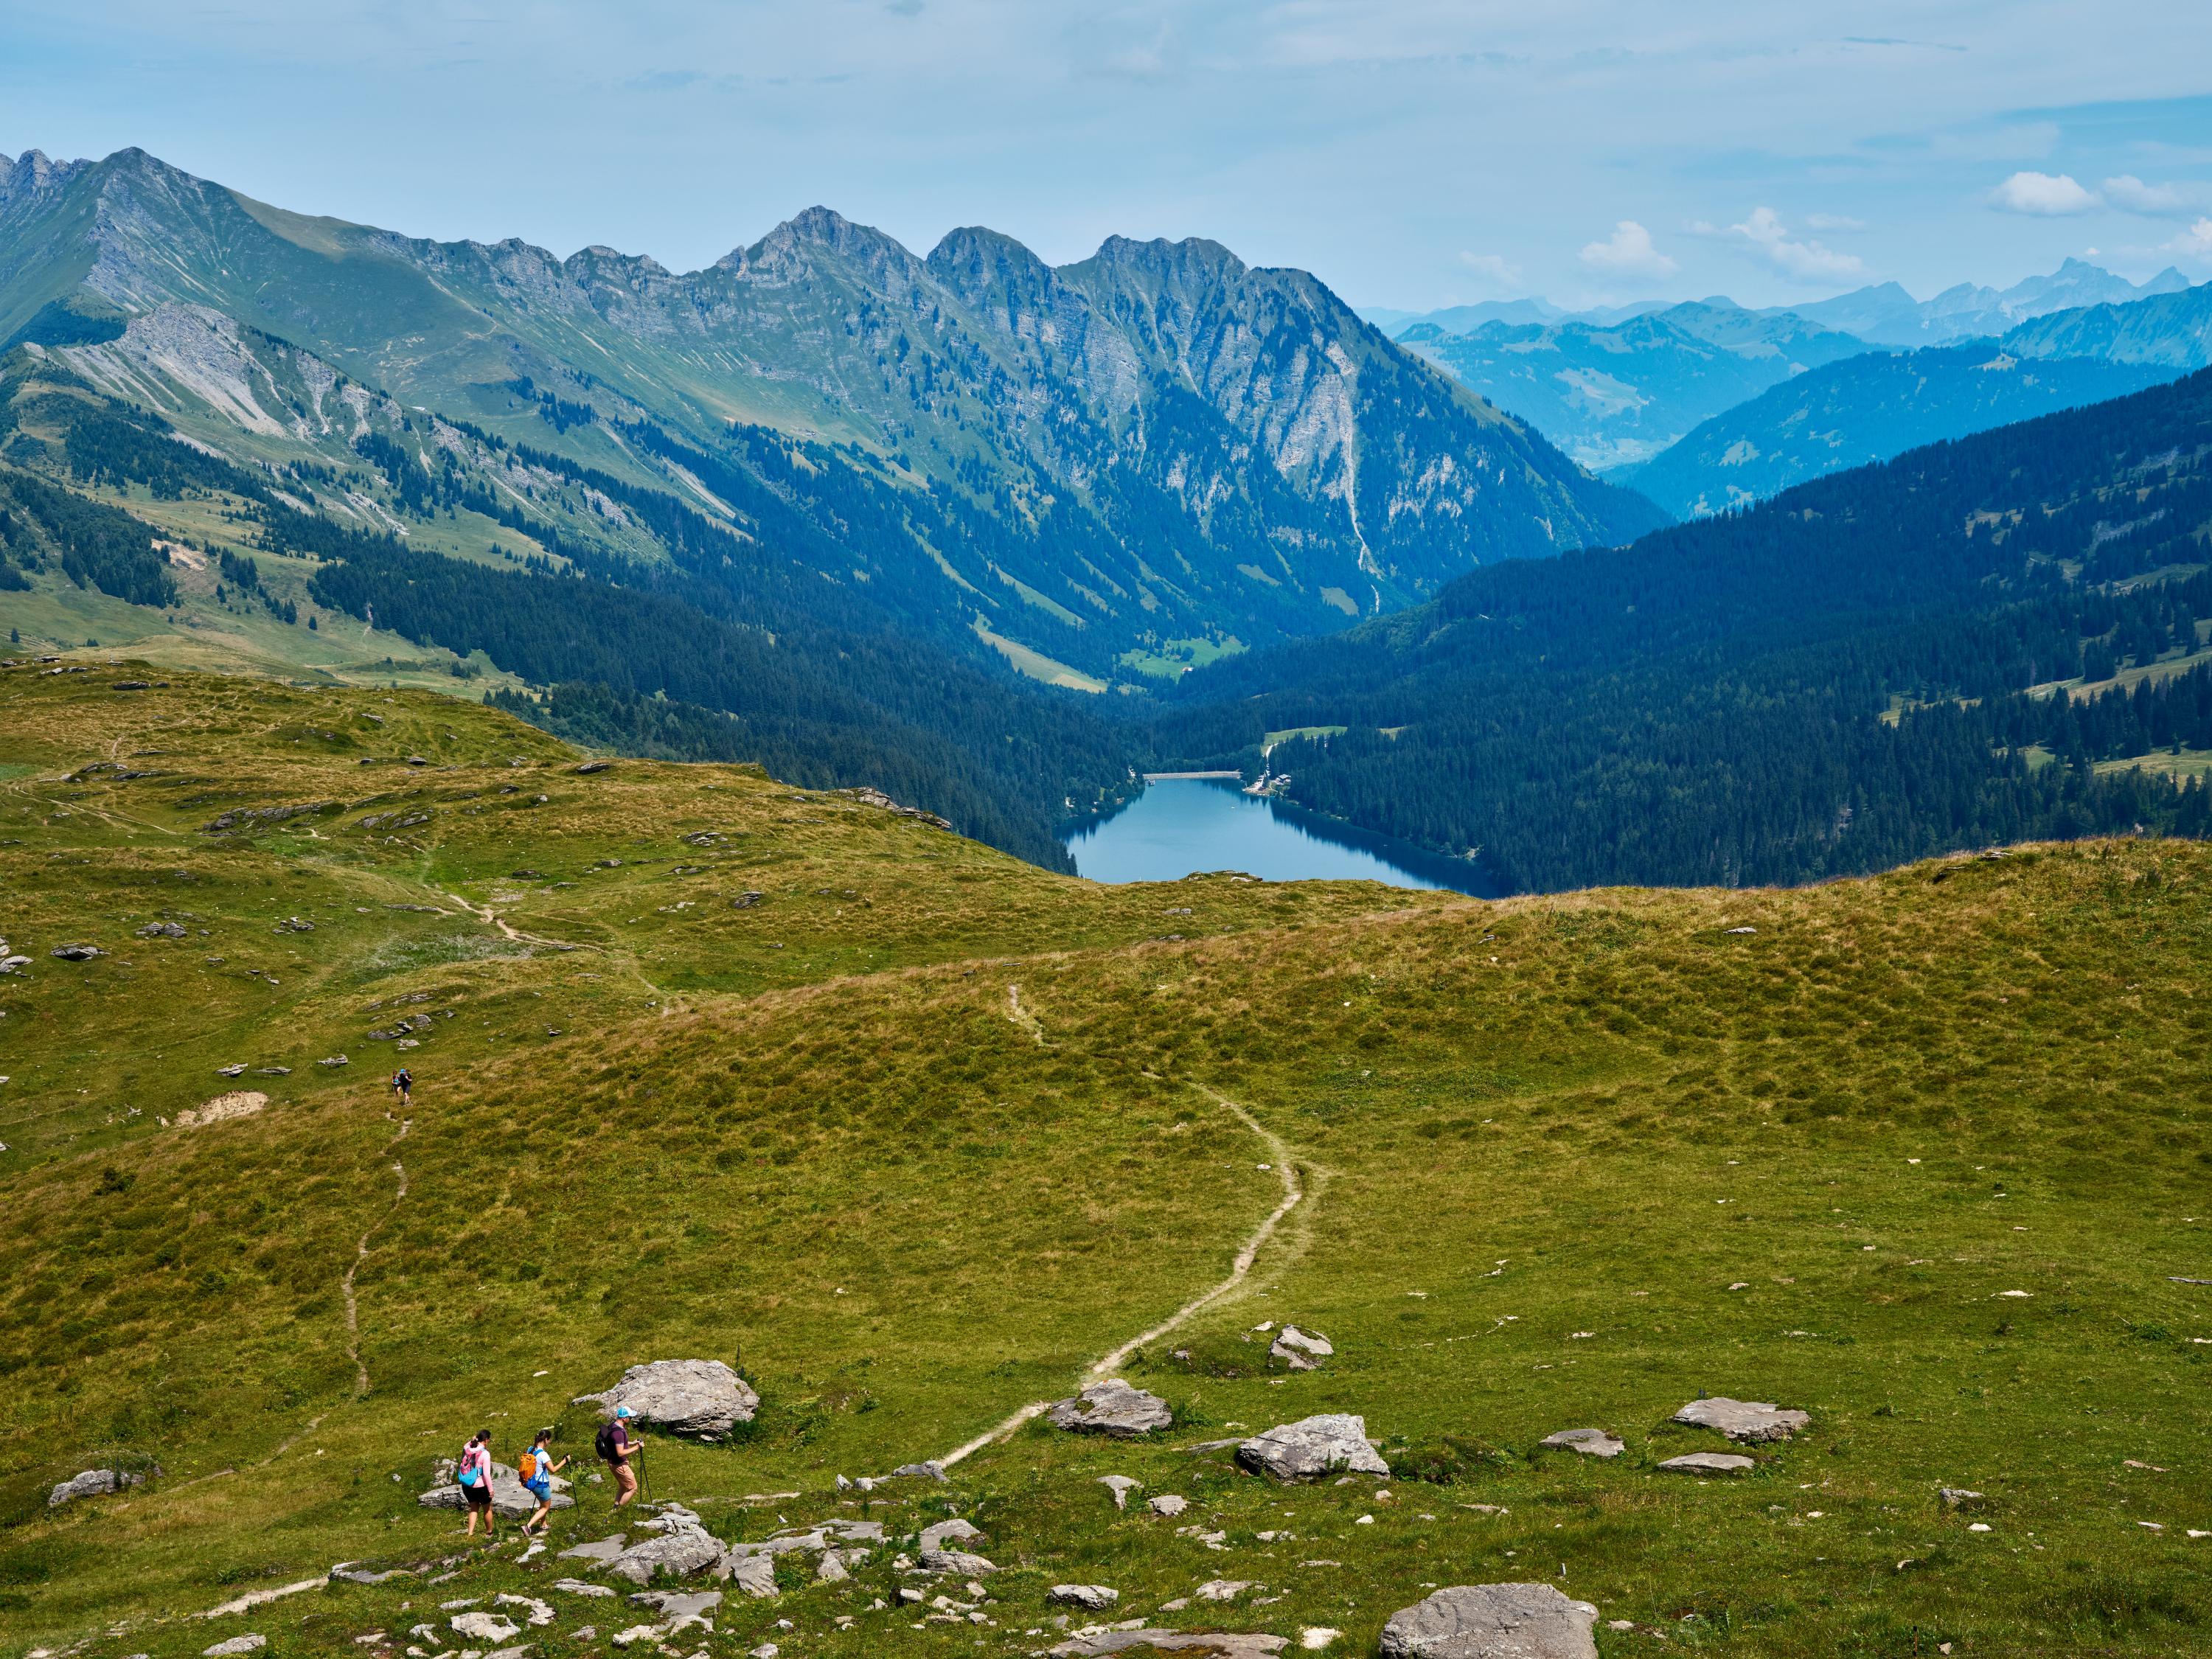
(1866, 409)
(1871, 667)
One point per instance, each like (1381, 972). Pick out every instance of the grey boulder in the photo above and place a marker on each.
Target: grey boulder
(681, 1610)
(93, 1483)
(1311, 1448)
(1707, 1464)
(1113, 1408)
(237, 1644)
(1747, 1422)
(934, 1537)
(678, 1553)
(1095, 1597)
(1121, 1485)
(1953, 1497)
(604, 1550)
(509, 1496)
(1590, 1443)
(702, 1398)
(484, 1626)
(753, 1574)
(1492, 1621)
(957, 1562)
(1302, 1351)
(76, 952)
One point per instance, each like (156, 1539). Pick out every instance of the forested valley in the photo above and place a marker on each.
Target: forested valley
(1873, 666)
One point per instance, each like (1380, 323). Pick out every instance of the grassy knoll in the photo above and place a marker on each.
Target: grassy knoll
(920, 1131)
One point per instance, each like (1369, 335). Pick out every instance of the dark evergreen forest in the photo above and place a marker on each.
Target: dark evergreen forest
(1855, 674)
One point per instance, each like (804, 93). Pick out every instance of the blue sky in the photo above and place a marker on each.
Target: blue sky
(1414, 153)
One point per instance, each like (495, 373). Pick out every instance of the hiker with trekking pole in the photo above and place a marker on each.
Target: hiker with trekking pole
(538, 1469)
(616, 1446)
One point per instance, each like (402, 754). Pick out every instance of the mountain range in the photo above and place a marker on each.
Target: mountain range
(1615, 394)
(1110, 465)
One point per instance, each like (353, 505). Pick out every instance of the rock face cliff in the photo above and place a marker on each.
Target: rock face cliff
(1157, 444)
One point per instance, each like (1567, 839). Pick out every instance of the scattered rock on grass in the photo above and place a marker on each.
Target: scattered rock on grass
(604, 1550)
(1958, 1498)
(1121, 1485)
(76, 952)
(1492, 1621)
(1747, 1422)
(1095, 1597)
(1590, 1443)
(1311, 1448)
(580, 1587)
(933, 1537)
(1707, 1463)
(1113, 1408)
(1168, 1504)
(484, 1626)
(703, 1398)
(1302, 1351)
(93, 1483)
(247, 1644)
(957, 1562)
(1214, 1644)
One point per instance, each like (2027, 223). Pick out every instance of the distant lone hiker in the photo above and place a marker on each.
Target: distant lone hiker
(475, 1476)
(616, 1445)
(538, 1471)
(403, 1086)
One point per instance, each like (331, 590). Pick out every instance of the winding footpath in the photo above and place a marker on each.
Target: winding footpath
(359, 1255)
(1284, 1164)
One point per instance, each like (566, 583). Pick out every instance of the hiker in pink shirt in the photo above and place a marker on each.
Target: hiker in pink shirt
(475, 1476)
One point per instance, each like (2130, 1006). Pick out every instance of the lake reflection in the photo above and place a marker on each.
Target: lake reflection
(1179, 826)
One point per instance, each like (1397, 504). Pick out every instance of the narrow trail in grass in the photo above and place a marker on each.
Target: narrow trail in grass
(359, 1255)
(1283, 1163)
(484, 913)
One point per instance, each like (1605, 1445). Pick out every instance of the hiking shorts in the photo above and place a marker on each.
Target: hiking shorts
(479, 1496)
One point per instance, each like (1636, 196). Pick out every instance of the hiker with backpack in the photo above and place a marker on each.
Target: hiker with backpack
(616, 1446)
(403, 1086)
(475, 1476)
(537, 1470)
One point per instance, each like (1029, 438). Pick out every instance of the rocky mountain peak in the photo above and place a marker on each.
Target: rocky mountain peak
(32, 174)
(1193, 256)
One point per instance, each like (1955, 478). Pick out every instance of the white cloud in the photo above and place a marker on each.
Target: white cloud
(2043, 194)
(1628, 252)
(2128, 192)
(1494, 268)
(2193, 246)
(1800, 259)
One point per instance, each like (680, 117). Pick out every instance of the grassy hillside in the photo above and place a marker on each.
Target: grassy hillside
(920, 1132)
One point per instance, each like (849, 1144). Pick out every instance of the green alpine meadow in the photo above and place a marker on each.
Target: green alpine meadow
(910, 1136)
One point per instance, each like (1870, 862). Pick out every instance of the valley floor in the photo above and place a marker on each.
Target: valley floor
(916, 1135)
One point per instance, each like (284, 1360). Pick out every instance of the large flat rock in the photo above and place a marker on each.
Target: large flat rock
(1492, 1621)
(702, 1398)
(1311, 1448)
(509, 1497)
(1709, 1464)
(1590, 1443)
(1747, 1422)
(1113, 1408)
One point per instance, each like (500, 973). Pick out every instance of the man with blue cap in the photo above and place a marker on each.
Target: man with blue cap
(616, 1446)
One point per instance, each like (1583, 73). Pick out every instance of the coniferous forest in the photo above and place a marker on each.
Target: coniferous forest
(1866, 670)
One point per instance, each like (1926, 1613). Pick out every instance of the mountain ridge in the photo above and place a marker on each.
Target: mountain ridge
(1111, 449)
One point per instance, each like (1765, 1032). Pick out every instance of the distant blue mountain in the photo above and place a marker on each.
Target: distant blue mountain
(1870, 408)
(1610, 394)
